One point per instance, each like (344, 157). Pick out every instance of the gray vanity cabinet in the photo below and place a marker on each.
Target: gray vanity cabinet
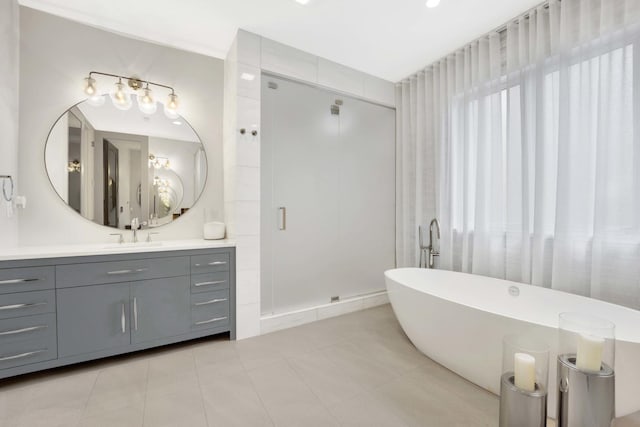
(159, 308)
(60, 311)
(93, 318)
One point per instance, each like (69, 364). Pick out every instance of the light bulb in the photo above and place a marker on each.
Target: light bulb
(120, 98)
(146, 102)
(90, 86)
(171, 107)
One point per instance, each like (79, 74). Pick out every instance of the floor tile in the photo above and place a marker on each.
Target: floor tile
(287, 399)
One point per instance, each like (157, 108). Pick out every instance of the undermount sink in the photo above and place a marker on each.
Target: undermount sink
(131, 245)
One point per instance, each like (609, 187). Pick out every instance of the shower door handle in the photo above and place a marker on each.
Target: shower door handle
(282, 225)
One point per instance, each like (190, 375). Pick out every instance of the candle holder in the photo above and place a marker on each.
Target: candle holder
(523, 384)
(586, 375)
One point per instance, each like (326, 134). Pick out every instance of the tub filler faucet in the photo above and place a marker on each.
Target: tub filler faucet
(428, 253)
(433, 252)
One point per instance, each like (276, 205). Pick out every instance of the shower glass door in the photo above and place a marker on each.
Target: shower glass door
(328, 196)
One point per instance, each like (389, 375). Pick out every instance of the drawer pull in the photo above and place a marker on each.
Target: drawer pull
(217, 319)
(123, 321)
(213, 301)
(14, 281)
(137, 270)
(21, 355)
(16, 306)
(217, 282)
(214, 263)
(23, 330)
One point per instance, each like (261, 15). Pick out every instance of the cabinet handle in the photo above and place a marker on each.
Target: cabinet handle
(135, 313)
(137, 270)
(283, 218)
(21, 355)
(213, 301)
(123, 320)
(213, 263)
(23, 330)
(217, 282)
(14, 281)
(204, 322)
(16, 306)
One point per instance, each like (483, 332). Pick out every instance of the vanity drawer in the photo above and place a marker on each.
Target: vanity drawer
(40, 328)
(210, 309)
(120, 271)
(209, 282)
(28, 351)
(27, 304)
(209, 263)
(26, 279)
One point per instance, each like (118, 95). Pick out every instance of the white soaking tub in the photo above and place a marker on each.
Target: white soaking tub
(459, 320)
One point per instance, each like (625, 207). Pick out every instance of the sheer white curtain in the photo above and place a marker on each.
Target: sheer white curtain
(525, 144)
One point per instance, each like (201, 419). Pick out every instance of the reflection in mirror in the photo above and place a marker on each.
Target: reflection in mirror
(112, 166)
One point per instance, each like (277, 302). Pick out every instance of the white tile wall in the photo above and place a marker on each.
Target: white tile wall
(339, 77)
(251, 54)
(288, 61)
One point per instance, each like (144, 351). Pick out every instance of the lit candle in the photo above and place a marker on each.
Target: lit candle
(525, 371)
(589, 354)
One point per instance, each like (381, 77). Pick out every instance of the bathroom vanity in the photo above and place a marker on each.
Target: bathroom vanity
(58, 308)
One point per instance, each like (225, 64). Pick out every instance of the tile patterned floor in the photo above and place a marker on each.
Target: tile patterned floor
(353, 370)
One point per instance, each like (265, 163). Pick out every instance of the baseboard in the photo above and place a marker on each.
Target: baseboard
(281, 321)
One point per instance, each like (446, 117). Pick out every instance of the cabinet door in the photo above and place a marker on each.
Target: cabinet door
(160, 308)
(92, 318)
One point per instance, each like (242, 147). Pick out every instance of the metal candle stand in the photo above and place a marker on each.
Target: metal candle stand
(585, 399)
(519, 407)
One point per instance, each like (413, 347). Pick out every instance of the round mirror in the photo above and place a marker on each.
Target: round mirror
(112, 165)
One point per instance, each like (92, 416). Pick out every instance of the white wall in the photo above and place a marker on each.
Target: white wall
(252, 54)
(55, 55)
(9, 60)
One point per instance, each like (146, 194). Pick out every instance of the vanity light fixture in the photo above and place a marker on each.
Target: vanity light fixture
(303, 2)
(159, 162)
(121, 95)
(432, 3)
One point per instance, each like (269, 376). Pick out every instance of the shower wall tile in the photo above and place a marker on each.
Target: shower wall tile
(248, 52)
(250, 291)
(247, 183)
(379, 90)
(285, 60)
(336, 76)
(248, 78)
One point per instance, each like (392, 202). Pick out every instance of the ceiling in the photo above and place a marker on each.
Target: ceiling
(390, 39)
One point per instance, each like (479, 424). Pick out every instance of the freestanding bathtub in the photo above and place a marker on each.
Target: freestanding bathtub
(459, 321)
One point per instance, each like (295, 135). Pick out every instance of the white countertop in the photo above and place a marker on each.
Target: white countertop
(59, 251)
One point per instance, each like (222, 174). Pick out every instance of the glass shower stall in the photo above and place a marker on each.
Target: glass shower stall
(328, 196)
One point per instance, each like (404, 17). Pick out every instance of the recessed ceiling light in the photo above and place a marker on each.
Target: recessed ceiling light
(302, 1)
(433, 3)
(247, 76)
(177, 122)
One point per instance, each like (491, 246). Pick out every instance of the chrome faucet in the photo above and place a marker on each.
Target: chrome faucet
(135, 224)
(433, 252)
